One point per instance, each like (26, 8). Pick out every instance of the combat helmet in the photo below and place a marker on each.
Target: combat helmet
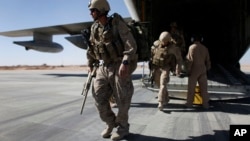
(100, 5)
(165, 37)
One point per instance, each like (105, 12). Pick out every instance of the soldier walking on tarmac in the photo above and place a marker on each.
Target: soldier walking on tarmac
(198, 64)
(164, 57)
(113, 45)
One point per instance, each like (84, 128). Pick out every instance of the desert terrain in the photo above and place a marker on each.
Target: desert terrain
(244, 68)
(43, 67)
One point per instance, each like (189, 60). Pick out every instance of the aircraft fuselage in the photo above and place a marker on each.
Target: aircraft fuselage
(225, 25)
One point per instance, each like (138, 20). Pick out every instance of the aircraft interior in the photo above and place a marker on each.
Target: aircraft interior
(224, 24)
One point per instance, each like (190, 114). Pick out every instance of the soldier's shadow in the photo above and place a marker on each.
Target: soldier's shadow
(139, 137)
(136, 76)
(144, 105)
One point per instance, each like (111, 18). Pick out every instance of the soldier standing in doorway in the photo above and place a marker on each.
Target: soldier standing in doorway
(178, 37)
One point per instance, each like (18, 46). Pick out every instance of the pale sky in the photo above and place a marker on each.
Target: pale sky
(25, 14)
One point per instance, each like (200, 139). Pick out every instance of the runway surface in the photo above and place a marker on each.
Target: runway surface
(44, 105)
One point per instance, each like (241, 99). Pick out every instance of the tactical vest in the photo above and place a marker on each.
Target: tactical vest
(106, 42)
(162, 56)
(107, 45)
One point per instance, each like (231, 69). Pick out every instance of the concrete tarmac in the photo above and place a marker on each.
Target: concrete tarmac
(44, 105)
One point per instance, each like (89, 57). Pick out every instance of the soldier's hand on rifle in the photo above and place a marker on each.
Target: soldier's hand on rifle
(86, 87)
(89, 69)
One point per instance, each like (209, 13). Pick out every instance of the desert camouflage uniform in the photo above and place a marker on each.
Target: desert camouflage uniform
(164, 58)
(178, 37)
(179, 40)
(107, 48)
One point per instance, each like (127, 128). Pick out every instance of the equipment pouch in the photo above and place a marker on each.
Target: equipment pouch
(107, 36)
(103, 52)
(156, 62)
(111, 51)
(101, 49)
(161, 62)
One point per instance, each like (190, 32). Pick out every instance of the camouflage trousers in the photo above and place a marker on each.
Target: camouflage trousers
(106, 84)
(161, 78)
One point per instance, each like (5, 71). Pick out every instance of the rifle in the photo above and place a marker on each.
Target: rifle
(86, 85)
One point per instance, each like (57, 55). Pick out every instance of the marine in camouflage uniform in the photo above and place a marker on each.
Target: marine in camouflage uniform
(113, 45)
(198, 65)
(165, 55)
(179, 41)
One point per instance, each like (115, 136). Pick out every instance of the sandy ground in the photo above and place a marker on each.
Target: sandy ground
(43, 67)
(244, 68)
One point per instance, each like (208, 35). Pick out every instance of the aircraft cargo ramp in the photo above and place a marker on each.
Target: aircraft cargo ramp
(224, 83)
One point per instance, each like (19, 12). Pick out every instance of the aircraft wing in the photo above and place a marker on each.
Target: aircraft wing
(71, 29)
(42, 36)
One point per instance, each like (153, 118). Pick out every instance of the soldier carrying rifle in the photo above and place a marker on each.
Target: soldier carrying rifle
(113, 45)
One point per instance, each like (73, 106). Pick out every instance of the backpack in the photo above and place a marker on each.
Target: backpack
(163, 57)
(140, 35)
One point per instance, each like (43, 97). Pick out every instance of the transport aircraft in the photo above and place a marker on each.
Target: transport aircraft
(224, 24)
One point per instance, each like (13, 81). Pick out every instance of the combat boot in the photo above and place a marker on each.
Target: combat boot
(106, 133)
(160, 106)
(188, 105)
(166, 101)
(120, 133)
